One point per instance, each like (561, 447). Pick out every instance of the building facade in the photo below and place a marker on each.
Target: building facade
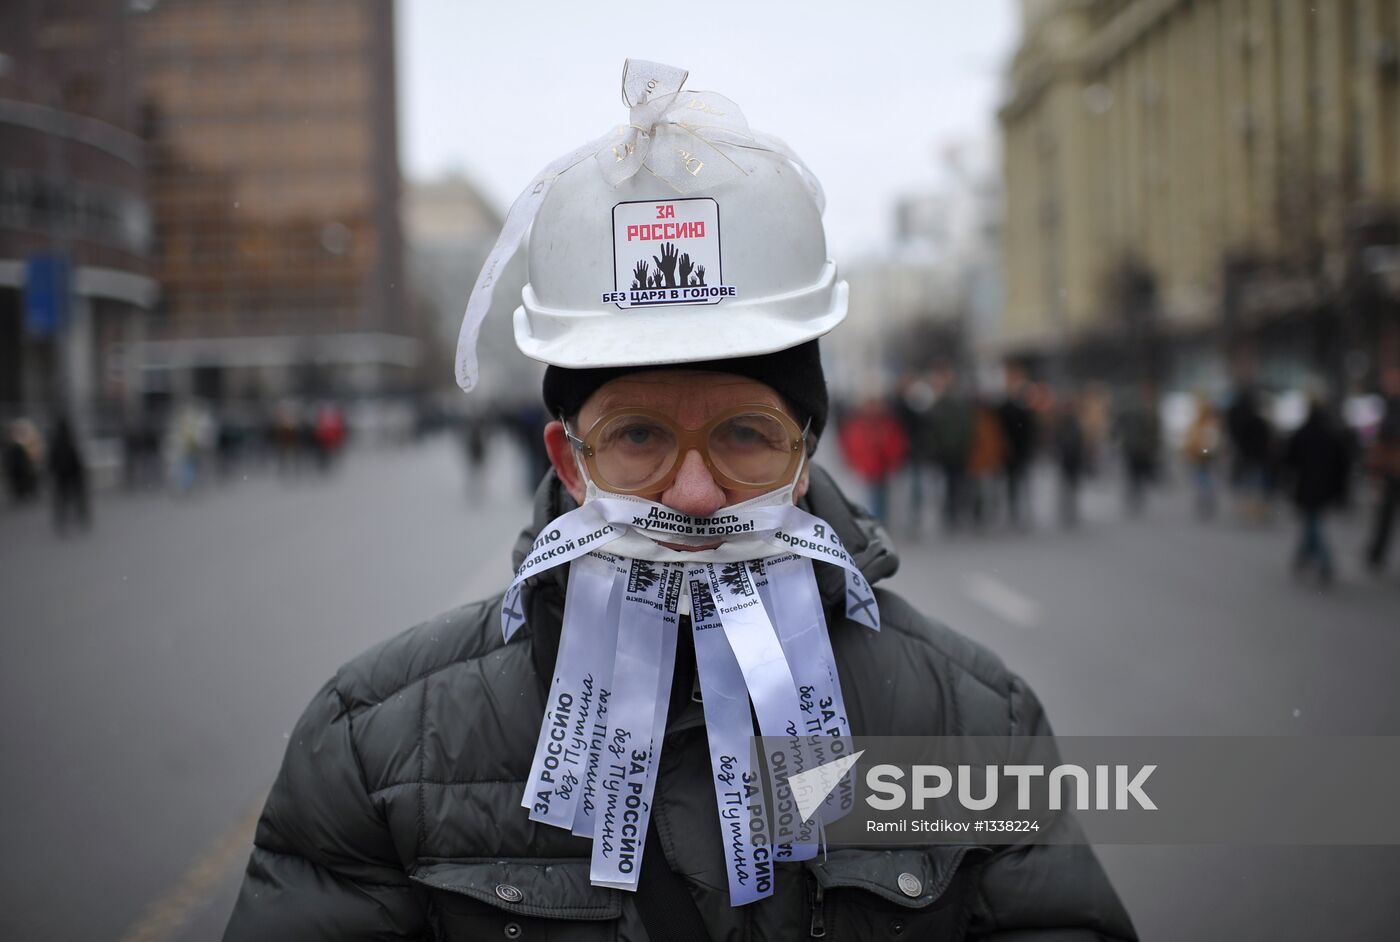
(1195, 185)
(271, 132)
(74, 224)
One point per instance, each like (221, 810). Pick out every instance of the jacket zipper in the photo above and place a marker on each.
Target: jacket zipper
(819, 913)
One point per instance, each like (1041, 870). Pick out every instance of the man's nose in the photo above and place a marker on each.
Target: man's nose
(694, 490)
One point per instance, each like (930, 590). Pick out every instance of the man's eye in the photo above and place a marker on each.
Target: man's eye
(635, 435)
(750, 433)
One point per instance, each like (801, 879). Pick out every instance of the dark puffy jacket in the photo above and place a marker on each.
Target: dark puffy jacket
(952, 422)
(1317, 459)
(397, 813)
(1018, 424)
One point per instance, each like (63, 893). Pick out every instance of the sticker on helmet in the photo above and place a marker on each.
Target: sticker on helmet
(667, 252)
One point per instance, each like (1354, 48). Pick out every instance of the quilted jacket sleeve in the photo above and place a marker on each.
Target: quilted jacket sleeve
(1043, 892)
(323, 865)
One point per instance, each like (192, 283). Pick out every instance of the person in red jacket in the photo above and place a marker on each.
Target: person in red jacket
(874, 444)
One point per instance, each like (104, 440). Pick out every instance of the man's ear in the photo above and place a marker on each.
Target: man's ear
(800, 490)
(561, 455)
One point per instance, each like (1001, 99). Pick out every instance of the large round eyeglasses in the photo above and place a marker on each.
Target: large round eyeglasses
(637, 451)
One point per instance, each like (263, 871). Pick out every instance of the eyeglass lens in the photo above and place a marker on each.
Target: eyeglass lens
(634, 451)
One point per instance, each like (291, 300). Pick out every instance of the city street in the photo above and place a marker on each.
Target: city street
(1167, 626)
(153, 669)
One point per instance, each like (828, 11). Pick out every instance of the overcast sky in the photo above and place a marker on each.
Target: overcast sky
(871, 95)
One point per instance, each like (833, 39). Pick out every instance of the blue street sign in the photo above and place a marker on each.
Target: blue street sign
(46, 286)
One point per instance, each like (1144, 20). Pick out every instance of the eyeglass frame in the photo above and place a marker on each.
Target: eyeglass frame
(692, 439)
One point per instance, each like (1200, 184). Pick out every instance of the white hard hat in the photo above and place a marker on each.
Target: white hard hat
(764, 282)
(687, 237)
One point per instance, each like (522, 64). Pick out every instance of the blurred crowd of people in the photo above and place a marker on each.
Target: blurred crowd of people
(934, 435)
(33, 463)
(177, 449)
(517, 424)
(933, 448)
(976, 451)
(196, 443)
(182, 448)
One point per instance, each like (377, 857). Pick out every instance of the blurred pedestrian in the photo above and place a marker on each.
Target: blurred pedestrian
(1071, 457)
(307, 442)
(528, 421)
(141, 459)
(284, 432)
(1316, 463)
(21, 461)
(985, 460)
(1201, 451)
(951, 423)
(68, 479)
(914, 405)
(1139, 432)
(1018, 430)
(1095, 413)
(474, 450)
(328, 435)
(230, 437)
(1383, 462)
(191, 437)
(875, 447)
(1252, 454)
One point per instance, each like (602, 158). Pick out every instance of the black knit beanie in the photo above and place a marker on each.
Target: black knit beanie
(794, 373)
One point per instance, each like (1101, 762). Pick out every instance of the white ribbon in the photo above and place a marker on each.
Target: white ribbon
(599, 643)
(788, 585)
(597, 757)
(646, 652)
(739, 797)
(769, 679)
(568, 745)
(677, 136)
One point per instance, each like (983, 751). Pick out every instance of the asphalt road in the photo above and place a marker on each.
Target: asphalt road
(153, 669)
(1167, 626)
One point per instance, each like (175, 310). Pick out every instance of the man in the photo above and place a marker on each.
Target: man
(1018, 426)
(1139, 434)
(425, 793)
(1317, 464)
(69, 481)
(952, 426)
(1252, 449)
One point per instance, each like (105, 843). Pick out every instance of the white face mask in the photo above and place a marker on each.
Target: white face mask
(643, 543)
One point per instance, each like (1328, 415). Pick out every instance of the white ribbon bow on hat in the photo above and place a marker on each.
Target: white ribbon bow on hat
(672, 134)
